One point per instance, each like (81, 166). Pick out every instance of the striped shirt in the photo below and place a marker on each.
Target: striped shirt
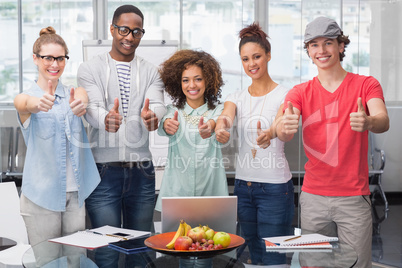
(124, 74)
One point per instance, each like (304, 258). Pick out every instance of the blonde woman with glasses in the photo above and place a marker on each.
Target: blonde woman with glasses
(60, 171)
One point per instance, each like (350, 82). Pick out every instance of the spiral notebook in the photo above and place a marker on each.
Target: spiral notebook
(303, 241)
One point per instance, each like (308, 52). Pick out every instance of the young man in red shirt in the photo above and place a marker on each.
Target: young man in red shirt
(338, 110)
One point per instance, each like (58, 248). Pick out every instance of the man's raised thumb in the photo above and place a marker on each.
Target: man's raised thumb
(116, 105)
(146, 105)
(360, 107)
(290, 107)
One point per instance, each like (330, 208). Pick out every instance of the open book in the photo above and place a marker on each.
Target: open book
(98, 237)
(302, 241)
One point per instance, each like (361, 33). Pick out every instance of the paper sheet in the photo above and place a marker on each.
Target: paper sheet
(97, 237)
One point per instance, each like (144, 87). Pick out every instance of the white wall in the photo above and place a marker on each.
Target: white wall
(386, 66)
(390, 142)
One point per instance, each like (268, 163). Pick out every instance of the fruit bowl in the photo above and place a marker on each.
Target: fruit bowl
(158, 243)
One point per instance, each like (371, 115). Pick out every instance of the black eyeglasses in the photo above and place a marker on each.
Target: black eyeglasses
(48, 60)
(124, 31)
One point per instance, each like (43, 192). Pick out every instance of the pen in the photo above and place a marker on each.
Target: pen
(292, 238)
(92, 232)
(117, 236)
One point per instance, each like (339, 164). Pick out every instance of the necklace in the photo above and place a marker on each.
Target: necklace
(254, 150)
(193, 119)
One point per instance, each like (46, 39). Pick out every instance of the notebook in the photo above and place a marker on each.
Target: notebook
(304, 241)
(98, 237)
(218, 212)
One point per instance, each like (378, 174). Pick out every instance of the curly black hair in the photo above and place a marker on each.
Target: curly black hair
(172, 69)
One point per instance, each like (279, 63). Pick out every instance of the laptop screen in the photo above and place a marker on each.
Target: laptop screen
(218, 212)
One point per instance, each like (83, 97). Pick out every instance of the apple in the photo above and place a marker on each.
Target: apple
(209, 234)
(222, 238)
(183, 243)
(205, 228)
(196, 234)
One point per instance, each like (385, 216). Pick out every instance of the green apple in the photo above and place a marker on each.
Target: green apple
(205, 228)
(222, 238)
(210, 233)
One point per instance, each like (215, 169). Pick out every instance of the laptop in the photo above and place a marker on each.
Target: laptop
(218, 212)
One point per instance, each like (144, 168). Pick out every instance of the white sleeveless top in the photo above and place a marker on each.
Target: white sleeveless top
(270, 164)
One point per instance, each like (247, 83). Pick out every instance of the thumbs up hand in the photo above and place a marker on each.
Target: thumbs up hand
(222, 130)
(76, 105)
(149, 117)
(113, 119)
(359, 120)
(264, 136)
(171, 125)
(290, 120)
(205, 129)
(46, 102)
(290, 107)
(71, 96)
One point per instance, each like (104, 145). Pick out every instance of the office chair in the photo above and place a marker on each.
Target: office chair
(376, 170)
(12, 226)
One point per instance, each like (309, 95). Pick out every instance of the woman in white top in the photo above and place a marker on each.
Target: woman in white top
(263, 182)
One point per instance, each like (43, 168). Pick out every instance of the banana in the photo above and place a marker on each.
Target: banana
(180, 232)
(188, 227)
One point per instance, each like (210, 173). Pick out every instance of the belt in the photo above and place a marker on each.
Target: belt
(248, 183)
(122, 164)
(258, 184)
(251, 183)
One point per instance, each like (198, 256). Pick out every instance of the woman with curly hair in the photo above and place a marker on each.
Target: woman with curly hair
(263, 182)
(194, 166)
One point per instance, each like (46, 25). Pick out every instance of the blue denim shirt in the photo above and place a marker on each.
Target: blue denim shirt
(44, 175)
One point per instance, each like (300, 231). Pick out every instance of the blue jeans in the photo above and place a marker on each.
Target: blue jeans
(124, 194)
(264, 210)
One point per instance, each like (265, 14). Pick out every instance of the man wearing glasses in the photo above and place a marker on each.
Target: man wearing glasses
(120, 87)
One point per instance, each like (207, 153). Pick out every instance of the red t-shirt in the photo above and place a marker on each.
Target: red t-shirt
(337, 156)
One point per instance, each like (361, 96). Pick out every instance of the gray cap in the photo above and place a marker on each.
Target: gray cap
(322, 27)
